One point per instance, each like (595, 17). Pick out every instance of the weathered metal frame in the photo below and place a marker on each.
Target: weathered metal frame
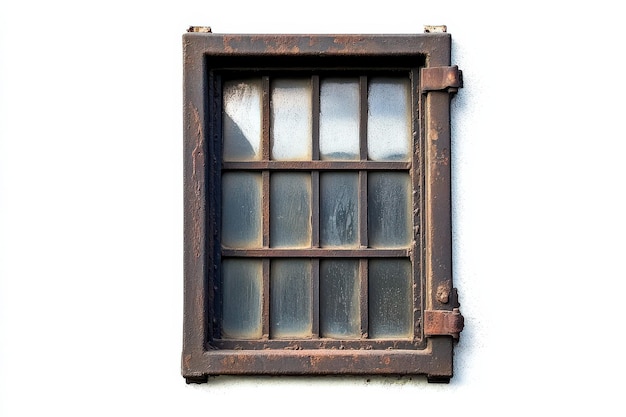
(201, 134)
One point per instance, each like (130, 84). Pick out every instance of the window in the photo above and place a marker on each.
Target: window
(317, 205)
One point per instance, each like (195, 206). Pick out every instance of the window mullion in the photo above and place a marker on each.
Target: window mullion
(418, 209)
(362, 208)
(265, 156)
(315, 205)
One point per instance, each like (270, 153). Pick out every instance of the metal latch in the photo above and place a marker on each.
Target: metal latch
(441, 78)
(443, 323)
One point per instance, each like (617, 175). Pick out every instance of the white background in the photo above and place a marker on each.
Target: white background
(91, 209)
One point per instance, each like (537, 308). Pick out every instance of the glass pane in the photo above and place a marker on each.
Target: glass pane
(340, 315)
(291, 133)
(339, 209)
(389, 209)
(290, 298)
(290, 210)
(390, 298)
(242, 120)
(389, 119)
(241, 297)
(241, 210)
(339, 119)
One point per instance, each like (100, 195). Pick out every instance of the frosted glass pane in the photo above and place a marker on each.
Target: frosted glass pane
(242, 119)
(290, 298)
(389, 209)
(339, 209)
(241, 210)
(291, 133)
(339, 119)
(390, 298)
(242, 286)
(340, 315)
(389, 119)
(290, 210)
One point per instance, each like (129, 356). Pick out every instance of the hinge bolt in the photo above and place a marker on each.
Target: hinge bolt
(199, 29)
(435, 28)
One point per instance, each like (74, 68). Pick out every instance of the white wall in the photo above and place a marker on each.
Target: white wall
(91, 208)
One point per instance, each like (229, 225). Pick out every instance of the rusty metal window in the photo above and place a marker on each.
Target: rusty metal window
(317, 205)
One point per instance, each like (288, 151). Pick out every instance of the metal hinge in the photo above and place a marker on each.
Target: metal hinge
(443, 323)
(441, 78)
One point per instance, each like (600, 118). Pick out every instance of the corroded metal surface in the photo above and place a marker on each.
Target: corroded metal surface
(441, 78)
(437, 319)
(443, 323)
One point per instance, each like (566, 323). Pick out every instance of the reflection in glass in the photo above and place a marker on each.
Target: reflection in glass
(339, 118)
(290, 209)
(242, 119)
(241, 298)
(291, 108)
(339, 209)
(290, 297)
(389, 209)
(241, 210)
(340, 315)
(389, 119)
(390, 298)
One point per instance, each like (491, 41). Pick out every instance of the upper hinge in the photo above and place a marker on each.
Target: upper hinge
(443, 323)
(441, 78)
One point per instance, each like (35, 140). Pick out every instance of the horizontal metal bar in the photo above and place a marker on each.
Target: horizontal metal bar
(318, 165)
(317, 253)
(315, 44)
(317, 343)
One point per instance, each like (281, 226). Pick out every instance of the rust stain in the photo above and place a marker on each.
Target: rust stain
(197, 158)
(187, 361)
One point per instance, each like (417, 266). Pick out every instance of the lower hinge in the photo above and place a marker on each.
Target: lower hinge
(448, 79)
(443, 323)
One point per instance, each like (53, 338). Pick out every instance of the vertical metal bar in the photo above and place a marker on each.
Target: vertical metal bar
(214, 217)
(315, 209)
(315, 105)
(265, 129)
(315, 205)
(315, 296)
(438, 203)
(416, 176)
(265, 176)
(265, 302)
(315, 175)
(363, 241)
(195, 215)
(362, 209)
(363, 117)
(265, 207)
(364, 304)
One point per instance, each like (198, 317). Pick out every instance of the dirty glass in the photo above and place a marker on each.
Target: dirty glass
(389, 209)
(241, 210)
(242, 119)
(291, 124)
(389, 119)
(339, 209)
(339, 118)
(242, 285)
(290, 209)
(339, 299)
(390, 298)
(290, 298)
